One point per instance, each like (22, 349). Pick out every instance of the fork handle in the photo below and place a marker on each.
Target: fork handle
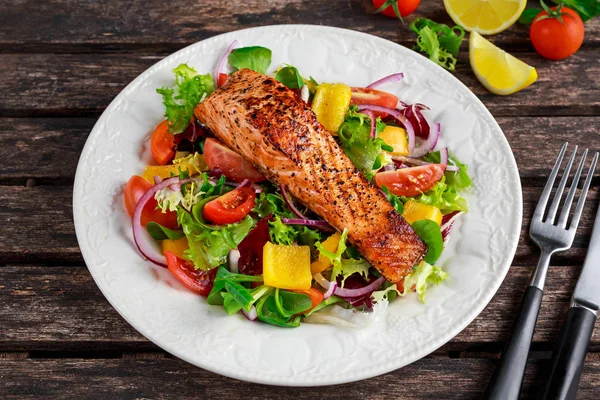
(569, 354)
(506, 381)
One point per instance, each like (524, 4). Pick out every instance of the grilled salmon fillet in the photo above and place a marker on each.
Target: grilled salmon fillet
(270, 126)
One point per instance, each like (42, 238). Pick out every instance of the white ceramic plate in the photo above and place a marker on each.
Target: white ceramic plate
(151, 300)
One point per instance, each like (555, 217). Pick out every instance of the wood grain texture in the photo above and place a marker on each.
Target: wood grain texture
(168, 26)
(50, 235)
(31, 147)
(61, 309)
(84, 84)
(172, 378)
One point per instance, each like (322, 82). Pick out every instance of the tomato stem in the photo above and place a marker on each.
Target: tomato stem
(394, 5)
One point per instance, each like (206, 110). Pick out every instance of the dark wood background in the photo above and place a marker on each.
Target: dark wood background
(63, 61)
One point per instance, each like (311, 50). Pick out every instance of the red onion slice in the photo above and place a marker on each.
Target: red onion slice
(429, 144)
(157, 180)
(221, 63)
(290, 202)
(410, 132)
(319, 224)
(330, 291)
(371, 115)
(388, 79)
(338, 291)
(252, 315)
(444, 156)
(139, 236)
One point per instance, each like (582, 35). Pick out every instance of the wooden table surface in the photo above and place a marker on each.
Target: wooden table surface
(63, 61)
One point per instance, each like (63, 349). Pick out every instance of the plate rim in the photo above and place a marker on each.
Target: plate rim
(347, 377)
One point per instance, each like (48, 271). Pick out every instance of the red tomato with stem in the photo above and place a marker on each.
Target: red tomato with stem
(162, 144)
(234, 166)
(197, 280)
(411, 181)
(396, 8)
(231, 207)
(134, 190)
(557, 34)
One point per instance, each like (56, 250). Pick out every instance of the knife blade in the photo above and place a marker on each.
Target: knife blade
(587, 290)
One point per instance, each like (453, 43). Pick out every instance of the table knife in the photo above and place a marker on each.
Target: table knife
(570, 350)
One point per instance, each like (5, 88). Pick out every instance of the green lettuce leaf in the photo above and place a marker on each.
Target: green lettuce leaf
(282, 233)
(423, 274)
(290, 77)
(255, 58)
(159, 232)
(431, 234)
(190, 89)
(335, 258)
(440, 42)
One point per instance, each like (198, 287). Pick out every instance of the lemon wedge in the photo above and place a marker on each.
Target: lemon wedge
(487, 17)
(497, 70)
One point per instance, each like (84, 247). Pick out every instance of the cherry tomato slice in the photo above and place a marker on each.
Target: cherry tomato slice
(162, 144)
(134, 189)
(234, 166)
(231, 207)
(197, 280)
(222, 79)
(411, 181)
(374, 97)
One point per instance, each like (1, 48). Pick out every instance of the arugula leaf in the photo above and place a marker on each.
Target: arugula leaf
(440, 42)
(308, 237)
(289, 303)
(424, 273)
(224, 276)
(325, 303)
(159, 232)
(587, 9)
(267, 311)
(191, 89)
(355, 139)
(282, 233)
(528, 15)
(394, 200)
(290, 77)
(431, 234)
(271, 203)
(255, 58)
(209, 245)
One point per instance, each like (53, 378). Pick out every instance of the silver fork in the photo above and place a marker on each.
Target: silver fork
(551, 236)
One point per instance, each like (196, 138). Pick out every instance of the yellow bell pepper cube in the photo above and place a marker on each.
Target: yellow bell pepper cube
(286, 267)
(331, 103)
(177, 247)
(396, 138)
(322, 263)
(415, 211)
(193, 164)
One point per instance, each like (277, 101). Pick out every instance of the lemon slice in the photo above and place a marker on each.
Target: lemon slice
(487, 17)
(497, 70)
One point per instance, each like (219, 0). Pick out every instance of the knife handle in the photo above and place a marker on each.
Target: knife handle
(569, 354)
(506, 381)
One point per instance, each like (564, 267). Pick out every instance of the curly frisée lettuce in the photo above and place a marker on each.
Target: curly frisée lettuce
(365, 152)
(190, 89)
(422, 274)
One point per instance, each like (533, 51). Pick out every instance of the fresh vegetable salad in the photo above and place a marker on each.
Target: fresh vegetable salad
(228, 234)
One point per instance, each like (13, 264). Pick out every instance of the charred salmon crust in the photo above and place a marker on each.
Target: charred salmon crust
(270, 126)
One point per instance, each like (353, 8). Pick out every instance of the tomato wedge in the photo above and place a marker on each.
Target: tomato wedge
(162, 144)
(316, 296)
(134, 189)
(374, 97)
(197, 280)
(411, 181)
(234, 166)
(230, 208)
(222, 79)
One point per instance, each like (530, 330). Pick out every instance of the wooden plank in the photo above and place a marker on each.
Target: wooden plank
(104, 379)
(84, 84)
(167, 26)
(30, 147)
(61, 309)
(49, 235)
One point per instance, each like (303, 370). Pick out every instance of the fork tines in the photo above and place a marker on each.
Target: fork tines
(550, 216)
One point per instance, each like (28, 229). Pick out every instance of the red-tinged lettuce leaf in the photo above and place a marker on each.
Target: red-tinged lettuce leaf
(356, 281)
(415, 116)
(251, 248)
(448, 221)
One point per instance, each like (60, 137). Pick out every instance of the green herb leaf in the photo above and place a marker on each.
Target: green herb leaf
(159, 232)
(255, 58)
(268, 312)
(431, 234)
(325, 303)
(290, 303)
(394, 200)
(290, 77)
(587, 9)
(529, 15)
(282, 233)
(191, 88)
